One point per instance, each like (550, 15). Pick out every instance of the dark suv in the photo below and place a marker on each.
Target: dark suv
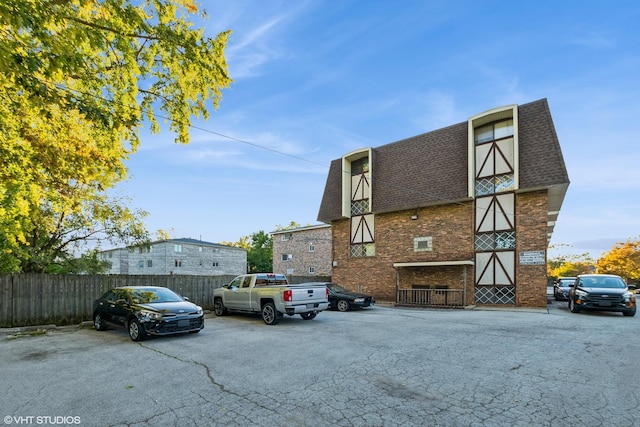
(602, 292)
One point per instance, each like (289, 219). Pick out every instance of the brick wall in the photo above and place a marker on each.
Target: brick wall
(161, 258)
(451, 230)
(301, 256)
(531, 235)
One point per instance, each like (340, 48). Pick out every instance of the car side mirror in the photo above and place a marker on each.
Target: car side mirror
(185, 298)
(632, 287)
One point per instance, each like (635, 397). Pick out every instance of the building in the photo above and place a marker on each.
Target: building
(303, 251)
(458, 216)
(177, 256)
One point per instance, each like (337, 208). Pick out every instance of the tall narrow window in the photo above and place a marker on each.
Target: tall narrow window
(495, 183)
(362, 220)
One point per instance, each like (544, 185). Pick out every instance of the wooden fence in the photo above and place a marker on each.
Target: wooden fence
(41, 299)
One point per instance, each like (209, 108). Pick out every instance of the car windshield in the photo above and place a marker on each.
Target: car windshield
(565, 283)
(602, 282)
(336, 288)
(151, 295)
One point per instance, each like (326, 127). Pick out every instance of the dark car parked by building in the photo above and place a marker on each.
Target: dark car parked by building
(344, 300)
(147, 310)
(561, 288)
(605, 292)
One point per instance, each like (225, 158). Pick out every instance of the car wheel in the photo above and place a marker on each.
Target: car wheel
(343, 305)
(629, 313)
(308, 316)
(573, 307)
(98, 323)
(136, 330)
(270, 315)
(219, 308)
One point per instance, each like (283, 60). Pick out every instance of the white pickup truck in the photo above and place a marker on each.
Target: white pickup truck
(272, 296)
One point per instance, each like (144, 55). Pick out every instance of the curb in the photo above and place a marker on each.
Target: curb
(23, 329)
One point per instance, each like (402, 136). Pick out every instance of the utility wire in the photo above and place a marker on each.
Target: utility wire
(265, 148)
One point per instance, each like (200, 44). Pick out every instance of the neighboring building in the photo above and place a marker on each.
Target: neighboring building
(303, 251)
(464, 212)
(177, 256)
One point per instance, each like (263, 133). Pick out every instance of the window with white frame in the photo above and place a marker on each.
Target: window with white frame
(312, 247)
(286, 237)
(177, 248)
(312, 270)
(287, 257)
(423, 244)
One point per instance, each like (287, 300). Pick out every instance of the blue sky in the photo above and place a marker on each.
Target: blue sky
(316, 79)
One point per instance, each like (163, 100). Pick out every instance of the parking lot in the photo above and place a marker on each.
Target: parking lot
(375, 367)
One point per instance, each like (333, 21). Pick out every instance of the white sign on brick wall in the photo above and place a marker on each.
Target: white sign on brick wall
(532, 258)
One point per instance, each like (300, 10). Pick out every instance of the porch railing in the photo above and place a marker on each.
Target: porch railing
(431, 297)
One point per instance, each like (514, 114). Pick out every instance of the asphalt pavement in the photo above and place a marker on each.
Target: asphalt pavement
(382, 366)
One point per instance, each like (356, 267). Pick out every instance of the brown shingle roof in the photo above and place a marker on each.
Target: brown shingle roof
(432, 168)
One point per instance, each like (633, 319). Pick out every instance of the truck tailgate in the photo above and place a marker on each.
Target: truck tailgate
(308, 294)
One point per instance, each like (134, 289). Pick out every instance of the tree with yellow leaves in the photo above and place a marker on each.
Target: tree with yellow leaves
(623, 259)
(568, 265)
(78, 78)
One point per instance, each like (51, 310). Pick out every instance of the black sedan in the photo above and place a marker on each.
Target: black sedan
(561, 288)
(606, 292)
(147, 310)
(344, 300)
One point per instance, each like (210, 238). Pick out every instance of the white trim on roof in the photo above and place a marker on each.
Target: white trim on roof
(308, 227)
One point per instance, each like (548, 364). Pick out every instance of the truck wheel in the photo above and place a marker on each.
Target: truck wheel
(270, 315)
(219, 308)
(308, 316)
(343, 305)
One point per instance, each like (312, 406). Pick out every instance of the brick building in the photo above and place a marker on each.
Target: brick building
(303, 251)
(457, 216)
(179, 257)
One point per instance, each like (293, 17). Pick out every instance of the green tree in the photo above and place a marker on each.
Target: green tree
(260, 253)
(244, 242)
(87, 263)
(623, 259)
(78, 79)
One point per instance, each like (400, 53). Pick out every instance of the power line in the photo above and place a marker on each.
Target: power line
(265, 148)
